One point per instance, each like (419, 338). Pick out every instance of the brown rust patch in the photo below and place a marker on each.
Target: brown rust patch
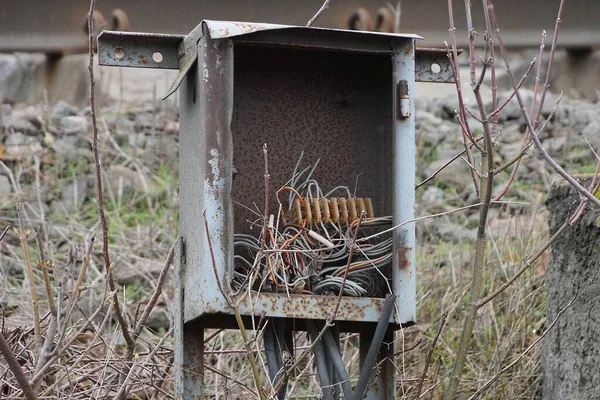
(318, 307)
(377, 304)
(402, 257)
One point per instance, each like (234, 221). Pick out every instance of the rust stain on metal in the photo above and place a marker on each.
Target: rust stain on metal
(402, 100)
(314, 307)
(403, 259)
(290, 115)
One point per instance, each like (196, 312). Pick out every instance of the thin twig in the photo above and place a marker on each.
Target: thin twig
(125, 387)
(4, 232)
(38, 192)
(482, 75)
(237, 313)
(538, 73)
(84, 353)
(438, 382)
(472, 58)
(32, 286)
(525, 145)
(46, 349)
(571, 220)
(429, 355)
(466, 132)
(74, 296)
(302, 356)
(324, 7)
(44, 264)
(347, 269)
(107, 265)
(550, 59)
(510, 97)
(214, 263)
(437, 171)
(15, 368)
(267, 204)
(528, 120)
(58, 351)
(224, 375)
(494, 85)
(417, 219)
(157, 291)
(370, 359)
(526, 142)
(486, 185)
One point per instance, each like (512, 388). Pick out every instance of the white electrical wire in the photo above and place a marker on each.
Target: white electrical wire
(298, 257)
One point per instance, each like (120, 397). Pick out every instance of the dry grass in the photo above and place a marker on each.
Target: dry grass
(86, 351)
(142, 226)
(504, 327)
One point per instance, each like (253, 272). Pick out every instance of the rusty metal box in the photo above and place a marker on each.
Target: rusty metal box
(342, 96)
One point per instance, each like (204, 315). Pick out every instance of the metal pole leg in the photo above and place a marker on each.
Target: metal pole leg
(189, 341)
(189, 363)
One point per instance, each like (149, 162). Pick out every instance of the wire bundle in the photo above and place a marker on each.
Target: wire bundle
(312, 258)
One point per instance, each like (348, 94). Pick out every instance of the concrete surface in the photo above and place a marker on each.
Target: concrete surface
(571, 355)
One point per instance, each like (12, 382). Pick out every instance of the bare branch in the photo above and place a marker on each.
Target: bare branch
(267, 203)
(324, 7)
(572, 220)
(34, 298)
(486, 185)
(347, 269)
(510, 97)
(238, 316)
(4, 232)
(528, 121)
(429, 354)
(525, 145)
(437, 171)
(157, 291)
(15, 368)
(107, 265)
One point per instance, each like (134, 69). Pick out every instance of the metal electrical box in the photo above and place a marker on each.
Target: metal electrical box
(344, 97)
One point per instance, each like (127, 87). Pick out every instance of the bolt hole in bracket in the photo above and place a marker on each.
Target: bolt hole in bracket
(119, 53)
(151, 50)
(157, 57)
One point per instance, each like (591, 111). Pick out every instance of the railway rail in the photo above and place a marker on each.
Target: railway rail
(57, 27)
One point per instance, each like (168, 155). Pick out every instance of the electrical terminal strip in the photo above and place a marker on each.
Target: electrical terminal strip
(322, 210)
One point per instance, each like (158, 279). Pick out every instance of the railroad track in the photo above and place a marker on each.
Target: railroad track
(56, 27)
